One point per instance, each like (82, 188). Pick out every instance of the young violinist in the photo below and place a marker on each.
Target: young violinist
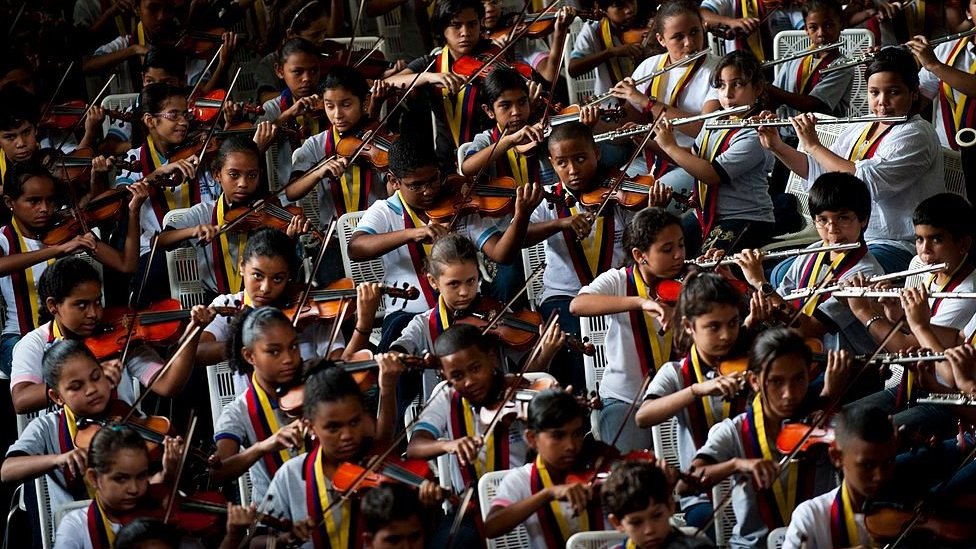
(745, 445)
(539, 494)
(118, 471)
(947, 77)
(600, 46)
(47, 446)
(393, 518)
(237, 168)
(398, 229)
(578, 248)
(32, 196)
(342, 188)
(638, 332)
(840, 206)
(19, 115)
(695, 390)
(680, 92)
(537, 53)
(456, 115)
(751, 25)
(639, 503)
(299, 105)
(267, 266)
(734, 209)
(864, 450)
(302, 488)
(901, 163)
(71, 293)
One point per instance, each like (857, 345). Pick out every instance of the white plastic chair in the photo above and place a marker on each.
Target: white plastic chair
(388, 25)
(487, 487)
(595, 540)
(856, 42)
(359, 271)
(532, 257)
(223, 390)
(665, 437)
(725, 520)
(776, 538)
(119, 102)
(955, 179)
(462, 151)
(184, 274)
(581, 87)
(367, 43)
(67, 508)
(43, 498)
(827, 133)
(593, 330)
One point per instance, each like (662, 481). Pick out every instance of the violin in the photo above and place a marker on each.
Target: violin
(325, 303)
(518, 330)
(631, 195)
(611, 456)
(477, 64)
(67, 115)
(947, 521)
(68, 223)
(666, 291)
(153, 429)
(636, 35)
(159, 323)
(791, 434)
(292, 398)
(206, 108)
(248, 129)
(540, 25)
(412, 472)
(204, 44)
(375, 153)
(76, 166)
(494, 198)
(517, 406)
(739, 365)
(372, 64)
(270, 214)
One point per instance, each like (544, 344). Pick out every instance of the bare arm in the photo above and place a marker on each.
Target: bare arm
(364, 246)
(28, 397)
(599, 304)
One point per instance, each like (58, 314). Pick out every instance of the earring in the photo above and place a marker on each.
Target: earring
(643, 262)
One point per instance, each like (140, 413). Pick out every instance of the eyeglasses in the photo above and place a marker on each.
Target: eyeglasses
(432, 183)
(173, 116)
(843, 220)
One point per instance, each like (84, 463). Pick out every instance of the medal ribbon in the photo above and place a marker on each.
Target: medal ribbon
(843, 528)
(660, 165)
(620, 67)
(460, 110)
(229, 278)
(595, 253)
(496, 443)
(3, 167)
(261, 412)
(751, 8)
(25, 287)
(811, 274)
(99, 527)
(645, 334)
(757, 446)
(808, 73)
(330, 534)
(352, 194)
(439, 320)
(956, 115)
(518, 163)
(707, 197)
(863, 148)
(551, 516)
(164, 199)
(417, 253)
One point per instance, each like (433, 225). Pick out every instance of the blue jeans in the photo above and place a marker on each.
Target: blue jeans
(697, 515)
(925, 418)
(567, 365)
(612, 416)
(7, 342)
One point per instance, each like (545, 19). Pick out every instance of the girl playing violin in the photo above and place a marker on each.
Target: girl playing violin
(237, 168)
(302, 488)
(47, 446)
(637, 343)
(695, 390)
(342, 188)
(31, 194)
(729, 166)
(538, 494)
(600, 46)
(779, 375)
(299, 104)
(751, 25)
(71, 291)
(118, 470)
(267, 266)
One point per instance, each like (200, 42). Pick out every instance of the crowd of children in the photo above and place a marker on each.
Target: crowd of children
(213, 231)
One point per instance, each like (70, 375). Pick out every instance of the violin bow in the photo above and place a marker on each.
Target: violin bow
(16, 20)
(355, 24)
(84, 115)
(220, 109)
(519, 19)
(375, 48)
(469, 190)
(459, 514)
(179, 470)
(213, 60)
(343, 308)
(57, 90)
(138, 298)
(508, 306)
(184, 343)
(362, 146)
(315, 268)
(817, 423)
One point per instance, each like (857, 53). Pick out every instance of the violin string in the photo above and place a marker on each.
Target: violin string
(153, 246)
(470, 187)
(213, 60)
(508, 306)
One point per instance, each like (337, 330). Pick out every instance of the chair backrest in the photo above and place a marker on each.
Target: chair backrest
(955, 179)
(367, 43)
(915, 281)
(223, 390)
(595, 540)
(725, 519)
(67, 508)
(593, 329)
(532, 257)
(117, 102)
(856, 42)
(184, 274)
(487, 486)
(358, 271)
(45, 516)
(776, 538)
(388, 25)
(309, 202)
(665, 437)
(581, 87)
(462, 151)
(828, 133)
(271, 164)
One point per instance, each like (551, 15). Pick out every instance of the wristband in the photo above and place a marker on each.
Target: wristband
(872, 320)
(366, 333)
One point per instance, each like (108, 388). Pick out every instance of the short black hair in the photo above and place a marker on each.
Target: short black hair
(268, 242)
(747, 64)
(836, 191)
(946, 211)
(814, 6)
(154, 95)
(142, 530)
(61, 278)
(445, 10)
(326, 382)
(571, 131)
(632, 487)
(776, 343)
(868, 423)
(296, 45)
(464, 336)
(604, 4)
(552, 409)
(60, 352)
(389, 503)
(896, 59)
(347, 78)
(643, 228)
(18, 106)
(244, 330)
(19, 173)
(499, 81)
(406, 156)
(167, 58)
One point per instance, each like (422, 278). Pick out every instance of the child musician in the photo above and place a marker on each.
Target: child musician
(600, 46)
(753, 24)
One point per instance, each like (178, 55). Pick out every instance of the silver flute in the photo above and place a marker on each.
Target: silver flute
(800, 55)
(643, 128)
(807, 292)
(777, 254)
(948, 399)
(782, 122)
(680, 63)
(863, 59)
(896, 292)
